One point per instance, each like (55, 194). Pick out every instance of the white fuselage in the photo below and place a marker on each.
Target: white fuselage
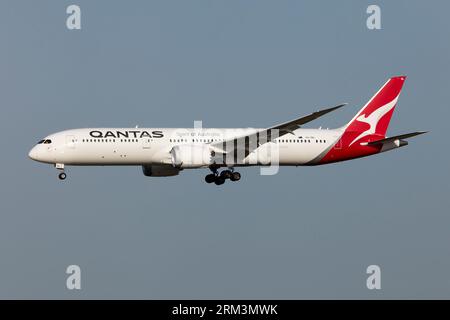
(152, 146)
(164, 152)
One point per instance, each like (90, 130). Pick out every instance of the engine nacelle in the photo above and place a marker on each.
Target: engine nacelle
(191, 156)
(160, 171)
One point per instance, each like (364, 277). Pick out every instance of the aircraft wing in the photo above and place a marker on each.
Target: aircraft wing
(242, 142)
(290, 126)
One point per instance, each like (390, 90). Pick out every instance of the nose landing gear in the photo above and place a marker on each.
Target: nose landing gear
(220, 179)
(62, 175)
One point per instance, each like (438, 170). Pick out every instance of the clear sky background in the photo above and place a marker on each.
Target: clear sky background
(307, 232)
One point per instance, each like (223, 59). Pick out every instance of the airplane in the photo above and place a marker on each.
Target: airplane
(163, 152)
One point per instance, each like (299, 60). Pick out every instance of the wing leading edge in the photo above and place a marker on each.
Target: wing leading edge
(266, 135)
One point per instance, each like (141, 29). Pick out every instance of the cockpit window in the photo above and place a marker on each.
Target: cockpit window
(46, 141)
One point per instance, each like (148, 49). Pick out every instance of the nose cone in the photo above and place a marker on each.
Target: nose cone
(33, 154)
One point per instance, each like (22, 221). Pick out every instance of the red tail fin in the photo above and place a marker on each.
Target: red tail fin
(374, 117)
(369, 124)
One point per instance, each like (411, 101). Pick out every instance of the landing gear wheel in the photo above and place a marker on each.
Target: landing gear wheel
(226, 174)
(219, 180)
(235, 176)
(62, 176)
(209, 178)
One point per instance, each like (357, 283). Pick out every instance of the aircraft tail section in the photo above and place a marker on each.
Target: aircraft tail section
(365, 134)
(373, 119)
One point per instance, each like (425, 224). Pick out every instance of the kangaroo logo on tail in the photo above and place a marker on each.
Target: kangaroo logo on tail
(373, 118)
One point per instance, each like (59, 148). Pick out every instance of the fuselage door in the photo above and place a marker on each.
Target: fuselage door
(70, 141)
(146, 143)
(338, 145)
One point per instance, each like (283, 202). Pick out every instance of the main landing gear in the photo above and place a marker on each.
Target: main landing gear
(219, 179)
(62, 175)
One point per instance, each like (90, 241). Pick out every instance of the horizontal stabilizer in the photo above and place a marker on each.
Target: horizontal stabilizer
(394, 138)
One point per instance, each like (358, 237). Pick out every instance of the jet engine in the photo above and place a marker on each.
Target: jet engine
(160, 171)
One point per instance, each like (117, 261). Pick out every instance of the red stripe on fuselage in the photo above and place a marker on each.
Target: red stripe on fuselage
(341, 151)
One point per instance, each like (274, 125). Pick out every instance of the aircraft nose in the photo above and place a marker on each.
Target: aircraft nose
(33, 154)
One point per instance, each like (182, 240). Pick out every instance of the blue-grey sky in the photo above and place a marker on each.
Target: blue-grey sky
(307, 232)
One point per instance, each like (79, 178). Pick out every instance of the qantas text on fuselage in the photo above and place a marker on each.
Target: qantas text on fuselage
(125, 134)
(163, 152)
